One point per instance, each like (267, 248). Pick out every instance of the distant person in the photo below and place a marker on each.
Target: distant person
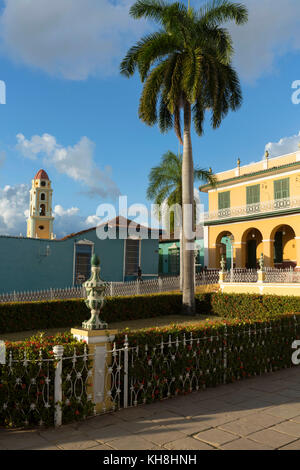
(139, 274)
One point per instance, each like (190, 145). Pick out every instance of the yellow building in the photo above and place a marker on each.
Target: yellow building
(40, 220)
(256, 209)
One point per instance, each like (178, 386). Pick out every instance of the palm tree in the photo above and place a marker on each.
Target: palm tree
(186, 69)
(165, 188)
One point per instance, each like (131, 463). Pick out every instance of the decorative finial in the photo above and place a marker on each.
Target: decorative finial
(238, 162)
(95, 290)
(266, 154)
(210, 170)
(95, 261)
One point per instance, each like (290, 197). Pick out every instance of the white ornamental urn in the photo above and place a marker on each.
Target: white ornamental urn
(95, 290)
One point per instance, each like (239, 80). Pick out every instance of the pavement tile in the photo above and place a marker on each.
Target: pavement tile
(245, 444)
(288, 427)
(251, 423)
(292, 446)
(272, 438)
(188, 443)
(215, 437)
(108, 433)
(287, 410)
(161, 435)
(22, 441)
(128, 443)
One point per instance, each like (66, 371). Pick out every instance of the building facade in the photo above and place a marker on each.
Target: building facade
(29, 264)
(253, 210)
(41, 261)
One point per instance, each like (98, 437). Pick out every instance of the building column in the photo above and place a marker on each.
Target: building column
(238, 256)
(206, 246)
(297, 240)
(268, 252)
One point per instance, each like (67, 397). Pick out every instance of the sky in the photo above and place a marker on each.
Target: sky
(69, 111)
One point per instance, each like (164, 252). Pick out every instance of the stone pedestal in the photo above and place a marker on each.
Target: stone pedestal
(261, 276)
(222, 275)
(99, 348)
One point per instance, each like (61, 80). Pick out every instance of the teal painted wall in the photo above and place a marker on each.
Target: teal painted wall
(24, 266)
(164, 250)
(227, 242)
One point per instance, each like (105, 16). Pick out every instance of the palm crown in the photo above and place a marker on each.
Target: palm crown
(165, 180)
(186, 62)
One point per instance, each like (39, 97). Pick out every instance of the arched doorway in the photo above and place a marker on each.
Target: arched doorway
(285, 254)
(252, 247)
(224, 247)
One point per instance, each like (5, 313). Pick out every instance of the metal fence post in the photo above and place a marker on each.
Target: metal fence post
(58, 354)
(126, 372)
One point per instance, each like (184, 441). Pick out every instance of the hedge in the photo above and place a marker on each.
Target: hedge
(27, 382)
(253, 306)
(25, 316)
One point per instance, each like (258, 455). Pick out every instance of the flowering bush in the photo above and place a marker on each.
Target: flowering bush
(177, 359)
(27, 382)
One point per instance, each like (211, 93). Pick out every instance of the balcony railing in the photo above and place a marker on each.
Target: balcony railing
(277, 205)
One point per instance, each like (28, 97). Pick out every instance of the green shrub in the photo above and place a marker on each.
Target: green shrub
(25, 316)
(174, 360)
(27, 382)
(253, 306)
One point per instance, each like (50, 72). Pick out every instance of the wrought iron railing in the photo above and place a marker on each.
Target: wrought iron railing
(145, 286)
(276, 205)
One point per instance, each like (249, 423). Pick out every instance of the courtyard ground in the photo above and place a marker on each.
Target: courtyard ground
(261, 413)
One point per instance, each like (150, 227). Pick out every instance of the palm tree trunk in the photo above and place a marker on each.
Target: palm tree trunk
(181, 260)
(188, 295)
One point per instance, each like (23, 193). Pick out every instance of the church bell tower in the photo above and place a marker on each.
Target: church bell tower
(40, 221)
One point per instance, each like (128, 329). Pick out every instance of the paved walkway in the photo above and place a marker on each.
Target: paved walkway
(258, 413)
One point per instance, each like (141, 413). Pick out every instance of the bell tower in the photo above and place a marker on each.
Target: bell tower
(40, 221)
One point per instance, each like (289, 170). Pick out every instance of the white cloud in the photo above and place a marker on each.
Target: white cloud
(271, 31)
(14, 211)
(14, 202)
(284, 146)
(69, 38)
(77, 162)
(76, 39)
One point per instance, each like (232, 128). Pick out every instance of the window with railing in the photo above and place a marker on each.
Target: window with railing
(253, 198)
(224, 203)
(282, 189)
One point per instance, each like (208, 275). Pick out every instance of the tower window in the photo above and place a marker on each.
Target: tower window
(42, 209)
(41, 227)
(43, 183)
(43, 197)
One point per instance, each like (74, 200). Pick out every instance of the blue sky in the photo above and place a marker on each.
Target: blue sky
(70, 112)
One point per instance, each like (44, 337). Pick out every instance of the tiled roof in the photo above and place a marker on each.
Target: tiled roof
(41, 175)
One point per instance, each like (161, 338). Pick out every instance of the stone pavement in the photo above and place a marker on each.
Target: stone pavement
(261, 413)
